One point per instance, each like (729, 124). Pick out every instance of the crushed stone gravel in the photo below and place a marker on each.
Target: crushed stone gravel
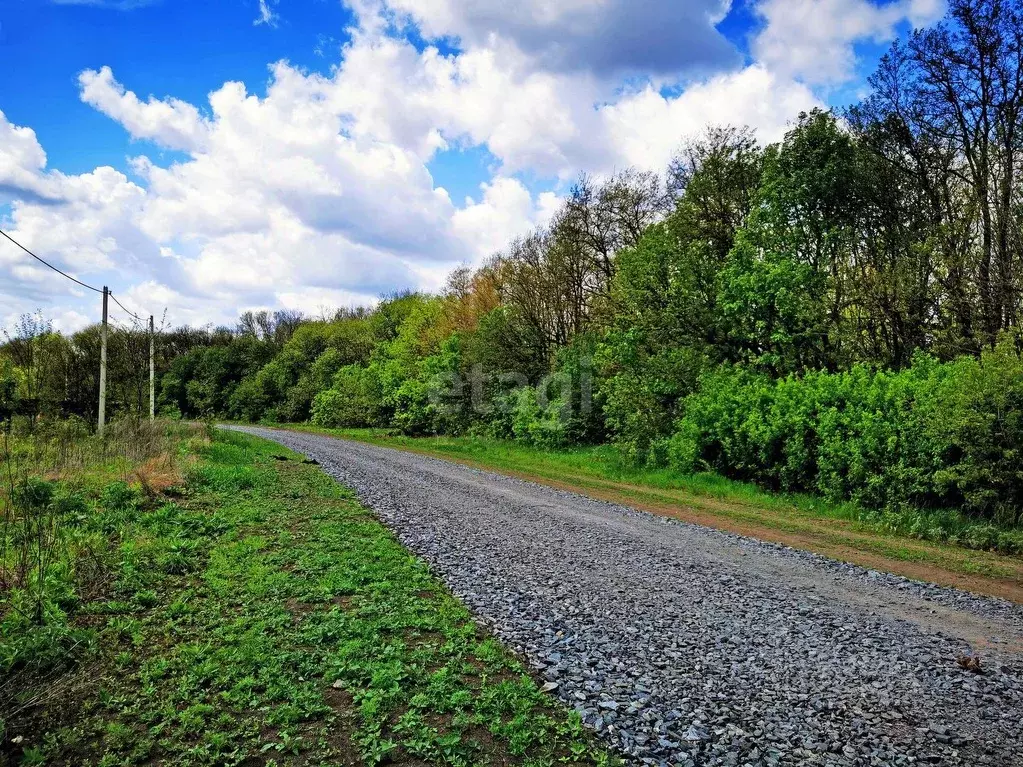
(682, 645)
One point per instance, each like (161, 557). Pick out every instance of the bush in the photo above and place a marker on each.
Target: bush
(249, 401)
(120, 496)
(582, 402)
(499, 421)
(33, 495)
(565, 408)
(541, 425)
(71, 508)
(641, 400)
(525, 414)
(723, 426)
(353, 401)
(933, 436)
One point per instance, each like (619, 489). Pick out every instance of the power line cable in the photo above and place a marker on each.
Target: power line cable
(126, 310)
(68, 276)
(106, 318)
(47, 263)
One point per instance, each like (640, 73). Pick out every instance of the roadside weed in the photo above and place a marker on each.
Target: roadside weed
(263, 616)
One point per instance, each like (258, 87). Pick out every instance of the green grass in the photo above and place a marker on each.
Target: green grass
(944, 540)
(262, 616)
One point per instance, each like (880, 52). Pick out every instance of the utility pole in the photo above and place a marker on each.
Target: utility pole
(152, 371)
(103, 366)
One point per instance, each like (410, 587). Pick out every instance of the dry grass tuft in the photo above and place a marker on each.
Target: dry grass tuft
(158, 474)
(970, 663)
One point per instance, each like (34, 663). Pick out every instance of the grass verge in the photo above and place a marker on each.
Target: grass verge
(803, 522)
(258, 615)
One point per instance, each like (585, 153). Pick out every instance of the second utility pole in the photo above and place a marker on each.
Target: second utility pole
(152, 372)
(103, 366)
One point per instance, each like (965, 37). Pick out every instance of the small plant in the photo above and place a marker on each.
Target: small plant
(32, 757)
(32, 534)
(179, 557)
(120, 496)
(970, 663)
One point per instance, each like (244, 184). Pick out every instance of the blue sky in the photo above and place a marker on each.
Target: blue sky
(182, 47)
(372, 144)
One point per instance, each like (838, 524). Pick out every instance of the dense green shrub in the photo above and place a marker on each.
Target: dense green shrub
(499, 419)
(935, 435)
(353, 401)
(537, 422)
(651, 358)
(582, 402)
(120, 496)
(414, 413)
(249, 401)
(564, 408)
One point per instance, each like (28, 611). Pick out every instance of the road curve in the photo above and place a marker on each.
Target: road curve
(685, 645)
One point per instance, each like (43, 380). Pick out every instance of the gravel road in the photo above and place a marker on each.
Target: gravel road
(688, 646)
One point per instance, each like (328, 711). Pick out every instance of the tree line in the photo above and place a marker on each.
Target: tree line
(837, 312)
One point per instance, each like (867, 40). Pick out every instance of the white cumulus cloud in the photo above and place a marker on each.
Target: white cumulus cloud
(814, 39)
(606, 37)
(267, 15)
(316, 188)
(172, 123)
